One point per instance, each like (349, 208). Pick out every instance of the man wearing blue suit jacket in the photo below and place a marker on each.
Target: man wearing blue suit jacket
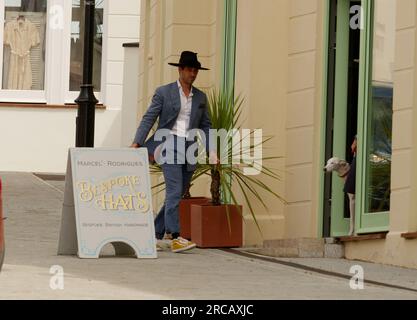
(180, 108)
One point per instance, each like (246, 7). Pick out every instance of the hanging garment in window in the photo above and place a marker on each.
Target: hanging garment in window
(21, 35)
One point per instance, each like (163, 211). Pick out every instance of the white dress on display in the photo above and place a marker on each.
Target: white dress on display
(21, 35)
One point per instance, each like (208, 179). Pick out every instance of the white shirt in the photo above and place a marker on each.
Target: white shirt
(182, 125)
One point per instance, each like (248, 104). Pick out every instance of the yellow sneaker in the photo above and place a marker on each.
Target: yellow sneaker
(162, 245)
(181, 245)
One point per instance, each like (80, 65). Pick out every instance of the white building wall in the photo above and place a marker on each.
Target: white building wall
(37, 139)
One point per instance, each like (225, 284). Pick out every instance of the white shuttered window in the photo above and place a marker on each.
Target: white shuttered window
(42, 50)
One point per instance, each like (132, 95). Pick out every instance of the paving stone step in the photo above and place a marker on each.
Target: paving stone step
(301, 248)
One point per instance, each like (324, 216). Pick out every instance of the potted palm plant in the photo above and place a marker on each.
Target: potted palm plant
(219, 223)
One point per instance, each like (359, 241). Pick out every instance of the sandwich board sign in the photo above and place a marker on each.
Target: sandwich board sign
(107, 200)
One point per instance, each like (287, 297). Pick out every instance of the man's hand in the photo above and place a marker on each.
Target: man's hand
(135, 146)
(354, 147)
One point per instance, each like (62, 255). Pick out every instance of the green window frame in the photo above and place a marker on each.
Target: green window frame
(379, 221)
(365, 222)
(228, 64)
(229, 45)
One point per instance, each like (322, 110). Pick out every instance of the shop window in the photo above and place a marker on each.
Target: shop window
(42, 63)
(24, 45)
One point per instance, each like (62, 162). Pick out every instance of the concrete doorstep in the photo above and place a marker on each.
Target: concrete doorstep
(301, 248)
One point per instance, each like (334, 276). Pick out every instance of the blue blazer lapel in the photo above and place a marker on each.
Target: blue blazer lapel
(176, 100)
(195, 105)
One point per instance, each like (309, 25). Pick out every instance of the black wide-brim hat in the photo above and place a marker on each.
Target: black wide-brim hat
(188, 59)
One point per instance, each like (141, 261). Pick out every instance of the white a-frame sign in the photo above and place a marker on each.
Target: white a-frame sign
(107, 200)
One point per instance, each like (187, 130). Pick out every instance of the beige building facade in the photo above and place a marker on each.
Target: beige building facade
(313, 82)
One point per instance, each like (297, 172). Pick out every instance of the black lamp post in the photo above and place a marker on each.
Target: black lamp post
(86, 100)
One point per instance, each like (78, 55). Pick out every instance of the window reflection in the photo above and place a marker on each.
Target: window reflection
(77, 42)
(379, 140)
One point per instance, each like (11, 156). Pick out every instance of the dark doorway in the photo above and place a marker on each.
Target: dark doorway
(352, 104)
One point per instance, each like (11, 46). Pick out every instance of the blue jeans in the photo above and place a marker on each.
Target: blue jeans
(177, 177)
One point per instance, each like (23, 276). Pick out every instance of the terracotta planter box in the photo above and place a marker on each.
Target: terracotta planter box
(2, 247)
(210, 228)
(185, 214)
